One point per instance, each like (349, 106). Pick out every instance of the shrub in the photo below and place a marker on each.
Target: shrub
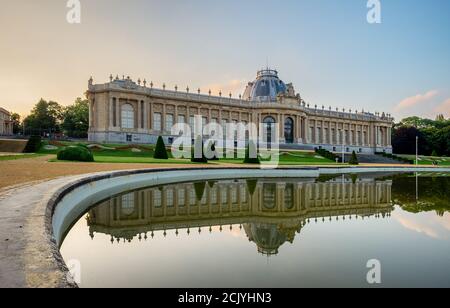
(33, 144)
(76, 153)
(160, 150)
(198, 144)
(327, 154)
(251, 160)
(354, 159)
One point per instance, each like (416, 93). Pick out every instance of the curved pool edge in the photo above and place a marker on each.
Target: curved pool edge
(30, 255)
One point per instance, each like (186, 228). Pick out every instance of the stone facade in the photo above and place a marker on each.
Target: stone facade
(6, 125)
(124, 111)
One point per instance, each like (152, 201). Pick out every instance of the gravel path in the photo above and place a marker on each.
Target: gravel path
(15, 172)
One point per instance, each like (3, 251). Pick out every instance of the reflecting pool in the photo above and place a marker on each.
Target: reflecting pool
(269, 233)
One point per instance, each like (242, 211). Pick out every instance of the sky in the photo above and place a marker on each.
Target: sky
(326, 48)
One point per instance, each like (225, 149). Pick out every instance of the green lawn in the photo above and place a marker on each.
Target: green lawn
(428, 160)
(20, 156)
(120, 153)
(138, 160)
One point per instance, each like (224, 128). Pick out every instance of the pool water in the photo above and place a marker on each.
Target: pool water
(269, 233)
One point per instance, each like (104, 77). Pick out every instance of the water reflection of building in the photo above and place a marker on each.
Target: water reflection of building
(271, 212)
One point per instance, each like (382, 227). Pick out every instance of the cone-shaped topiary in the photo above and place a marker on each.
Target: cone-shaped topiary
(33, 144)
(160, 150)
(354, 159)
(251, 186)
(199, 188)
(199, 146)
(251, 154)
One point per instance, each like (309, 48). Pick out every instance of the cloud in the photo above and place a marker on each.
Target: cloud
(444, 108)
(415, 100)
(428, 223)
(234, 86)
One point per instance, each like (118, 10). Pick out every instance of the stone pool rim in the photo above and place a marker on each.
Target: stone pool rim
(48, 243)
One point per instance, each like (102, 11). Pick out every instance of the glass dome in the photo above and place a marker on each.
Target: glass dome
(266, 87)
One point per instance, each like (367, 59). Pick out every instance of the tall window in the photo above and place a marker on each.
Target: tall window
(289, 130)
(169, 122)
(181, 119)
(142, 114)
(269, 128)
(114, 112)
(191, 123)
(224, 127)
(127, 116)
(128, 205)
(157, 121)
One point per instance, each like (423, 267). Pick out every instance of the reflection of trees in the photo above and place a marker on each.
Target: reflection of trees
(434, 194)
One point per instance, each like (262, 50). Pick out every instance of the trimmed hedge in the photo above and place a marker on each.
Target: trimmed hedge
(160, 150)
(395, 157)
(248, 159)
(327, 154)
(33, 144)
(76, 153)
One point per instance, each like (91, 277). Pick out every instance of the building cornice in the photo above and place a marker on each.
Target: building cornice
(129, 87)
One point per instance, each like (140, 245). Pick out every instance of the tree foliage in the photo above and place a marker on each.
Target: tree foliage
(434, 136)
(76, 119)
(160, 150)
(45, 117)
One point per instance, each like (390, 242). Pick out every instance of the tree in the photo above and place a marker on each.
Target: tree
(251, 154)
(160, 150)
(354, 159)
(433, 136)
(76, 119)
(17, 126)
(197, 157)
(45, 117)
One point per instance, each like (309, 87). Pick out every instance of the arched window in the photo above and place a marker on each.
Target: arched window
(269, 128)
(127, 113)
(289, 130)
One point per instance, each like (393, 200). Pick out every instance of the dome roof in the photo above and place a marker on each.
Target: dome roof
(266, 87)
(267, 237)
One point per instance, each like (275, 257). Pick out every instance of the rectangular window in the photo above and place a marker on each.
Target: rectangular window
(169, 198)
(157, 200)
(191, 122)
(181, 198)
(181, 119)
(169, 122)
(204, 121)
(142, 114)
(157, 121)
(224, 127)
(114, 112)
